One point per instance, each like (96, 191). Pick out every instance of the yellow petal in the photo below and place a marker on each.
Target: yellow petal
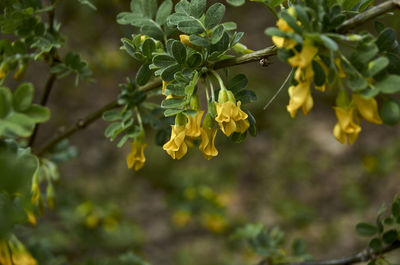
(303, 58)
(300, 96)
(194, 124)
(176, 146)
(207, 146)
(338, 133)
(368, 108)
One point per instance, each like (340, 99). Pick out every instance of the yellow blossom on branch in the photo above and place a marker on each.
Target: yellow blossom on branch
(136, 157)
(194, 125)
(347, 128)
(368, 108)
(230, 117)
(176, 147)
(304, 58)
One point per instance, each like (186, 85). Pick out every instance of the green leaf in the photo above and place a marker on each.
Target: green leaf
(194, 60)
(217, 34)
(179, 52)
(18, 124)
(199, 41)
(163, 12)
(377, 65)
(112, 115)
(390, 236)
(128, 18)
(375, 244)
(214, 15)
(357, 83)
(237, 83)
(236, 2)
(23, 97)
(349, 4)
(319, 74)
(197, 8)
(37, 113)
(88, 3)
(163, 60)
(149, 8)
(387, 41)
(172, 112)
(173, 103)
(191, 26)
(189, 89)
(183, 7)
(365, 229)
(112, 129)
(329, 43)
(246, 96)
(143, 75)
(389, 84)
(148, 48)
(5, 101)
(169, 72)
(153, 30)
(176, 18)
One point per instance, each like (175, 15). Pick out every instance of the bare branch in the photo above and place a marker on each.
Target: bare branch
(368, 15)
(363, 256)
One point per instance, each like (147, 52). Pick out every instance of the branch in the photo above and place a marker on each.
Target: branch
(368, 15)
(363, 256)
(248, 58)
(83, 123)
(43, 102)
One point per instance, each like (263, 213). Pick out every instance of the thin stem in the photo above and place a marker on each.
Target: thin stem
(206, 91)
(279, 90)
(139, 117)
(212, 91)
(219, 79)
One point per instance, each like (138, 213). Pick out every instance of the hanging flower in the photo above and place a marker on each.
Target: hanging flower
(208, 134)
(176, 147)
(194, 124)
(229, 115)
(304, 58)
(347, 128)
(368, 108)
(300, 97)
(136, 157)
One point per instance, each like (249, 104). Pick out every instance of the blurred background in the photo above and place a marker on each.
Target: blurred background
(293, 175)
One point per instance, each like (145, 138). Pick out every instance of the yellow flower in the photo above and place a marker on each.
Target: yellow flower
(303, 59)
(136, 156)
(207, 146)
(215, 223)
(181, 218)
(300, 97)
(226, 111)
(347, 127)
(282, 42)
(176, 147)
(194, 124)
(368, 108)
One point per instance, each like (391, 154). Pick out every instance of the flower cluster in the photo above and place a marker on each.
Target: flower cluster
(349, 117)
(304, 57)
(227, 113)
